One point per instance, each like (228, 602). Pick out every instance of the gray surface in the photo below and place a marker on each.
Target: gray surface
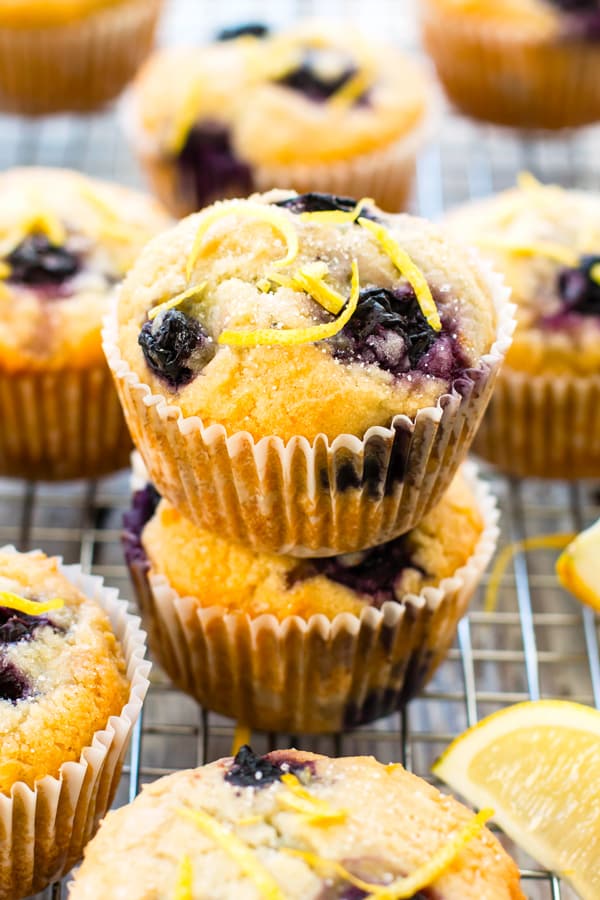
(538, 642)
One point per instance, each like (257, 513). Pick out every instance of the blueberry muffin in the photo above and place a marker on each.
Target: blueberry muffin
(65, 241)
(61, 55)
(303, 373)
(546, 240)
(304, 645)
(71, 684)
(295, 825)
(316, 108)
(526, 63)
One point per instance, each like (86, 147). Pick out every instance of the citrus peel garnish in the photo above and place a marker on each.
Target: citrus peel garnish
(310, 279)
(316, 811)
(337, 216)
(421, 878)
(238, 851)
(241, 736)
(193, 293)
(354, 88)
(407, 268)
(29, 607)
(578, 566)
(272, 336)
(185, 118)
(556, 252)
(184, 884)
(245, 209)
(535, 542)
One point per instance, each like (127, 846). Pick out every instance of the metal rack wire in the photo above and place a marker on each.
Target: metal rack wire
(537, 643)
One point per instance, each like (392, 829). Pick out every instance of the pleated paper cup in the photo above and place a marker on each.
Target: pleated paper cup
(309, 498)
(77, 65)
(312, 676)
(61, 425)
(44, 829)
(498, 73)
(544, 426)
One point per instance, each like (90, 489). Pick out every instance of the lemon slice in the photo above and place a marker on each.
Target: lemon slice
(538, 765)
(578, 566)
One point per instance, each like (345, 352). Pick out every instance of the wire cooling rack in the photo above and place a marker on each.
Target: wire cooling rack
(537, 643)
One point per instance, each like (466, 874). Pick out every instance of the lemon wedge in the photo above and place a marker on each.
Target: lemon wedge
(578, 566)
(538, 765)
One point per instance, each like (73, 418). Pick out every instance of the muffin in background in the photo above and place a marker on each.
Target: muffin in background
(317, 108)
(525, 63)
(71, 55)
(543, 416)
(288, 376)
(296, 825)
(307, 645)
(65, 241)
(72, 682)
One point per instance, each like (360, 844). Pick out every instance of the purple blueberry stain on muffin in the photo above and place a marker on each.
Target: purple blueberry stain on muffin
(245, 29)
(321, 74)
(176, 347)
(19, 626)
(371, 870)
(582, 19)
(211, 166)
(14, 685)
(39, 264)
(315, 201)
(250, 770)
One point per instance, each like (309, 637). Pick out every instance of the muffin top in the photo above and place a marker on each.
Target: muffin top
(294, 825)
(577, 19)
(65, 241)
(200, 564)
(292, 314)
(28, 13)
(62, 672)
(546, 241)
(318, 92)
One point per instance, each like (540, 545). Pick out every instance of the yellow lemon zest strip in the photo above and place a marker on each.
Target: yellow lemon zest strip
(106, 209)
(238, 851)
(4, 270)
(30, 607)
(193, 293)
(408, 269)
(241, 736)
(352, 89)
(264, 285)
(271, 336)
(184, 883)
(392, 768)
(298, 799)
(528, 182)
(250, 820)
(48, 224)
(337, 216)
(595, 273)
(309, 278)
(421, 878)
(556, 252)
(185, 118)
(246, 210)
(535, 542)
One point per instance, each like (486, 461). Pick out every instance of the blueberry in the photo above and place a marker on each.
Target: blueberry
(143, 506)
(36, 261)
(316, 202)
(14, 685)
(17, 626)
(577, 289)
(173, 340)
(388, 329)
(210, 165)
(254, 29)
(250, 770)
(314, 84)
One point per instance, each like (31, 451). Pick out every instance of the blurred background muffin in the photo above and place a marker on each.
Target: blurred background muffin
(71, 55)
(65, 242)
(526, 63)
(317, 107)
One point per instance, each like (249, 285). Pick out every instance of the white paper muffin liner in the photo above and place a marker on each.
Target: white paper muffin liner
(497, 74)
(545, 426)
(318, 675)
(295, 497)
(77, 65)
(45, 829)
(60, 425)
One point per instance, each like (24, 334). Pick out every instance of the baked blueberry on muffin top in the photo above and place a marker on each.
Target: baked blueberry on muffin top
(303, 314)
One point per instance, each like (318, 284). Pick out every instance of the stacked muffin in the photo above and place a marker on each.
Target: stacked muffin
(303, 375)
